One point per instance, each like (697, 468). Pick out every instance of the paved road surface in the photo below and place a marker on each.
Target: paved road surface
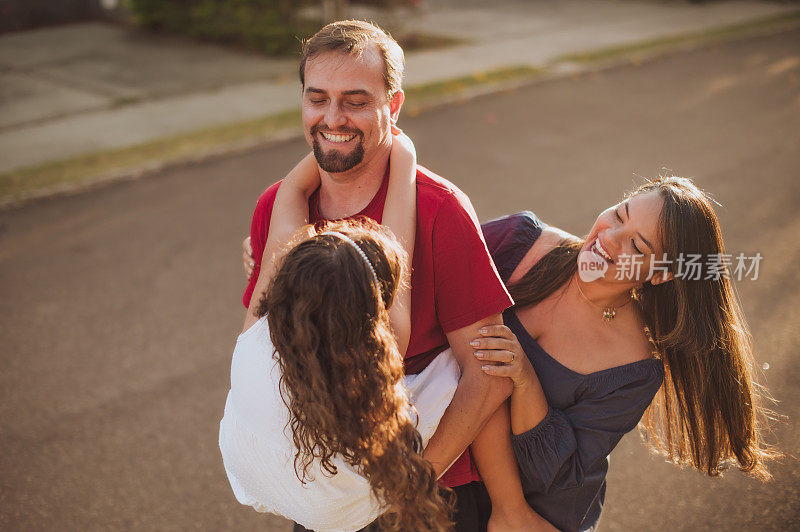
(120, 306)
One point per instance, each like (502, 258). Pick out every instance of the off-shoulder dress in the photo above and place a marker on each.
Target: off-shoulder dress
(563, 460)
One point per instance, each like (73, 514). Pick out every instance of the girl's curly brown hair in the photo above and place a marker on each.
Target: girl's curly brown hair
(342, 372)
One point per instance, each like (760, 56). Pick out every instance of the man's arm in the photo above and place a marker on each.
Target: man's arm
(477, 397)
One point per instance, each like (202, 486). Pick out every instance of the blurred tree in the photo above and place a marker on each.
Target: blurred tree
(334, 10)
(18, 15)
(268, 26)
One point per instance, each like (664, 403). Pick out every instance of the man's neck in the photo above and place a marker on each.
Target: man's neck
(347, 193)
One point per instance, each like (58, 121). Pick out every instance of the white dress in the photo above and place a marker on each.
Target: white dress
(258, 452)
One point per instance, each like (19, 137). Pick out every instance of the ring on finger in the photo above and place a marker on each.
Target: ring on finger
(513, 357)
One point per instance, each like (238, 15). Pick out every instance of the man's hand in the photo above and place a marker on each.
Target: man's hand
(247, 258)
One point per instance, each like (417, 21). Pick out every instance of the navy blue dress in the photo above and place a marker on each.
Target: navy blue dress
(563, 460)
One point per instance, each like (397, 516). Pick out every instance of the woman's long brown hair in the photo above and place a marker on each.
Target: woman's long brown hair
(707, 412)
(342, 372)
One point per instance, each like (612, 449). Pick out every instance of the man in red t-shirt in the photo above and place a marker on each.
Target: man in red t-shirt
(350, 74)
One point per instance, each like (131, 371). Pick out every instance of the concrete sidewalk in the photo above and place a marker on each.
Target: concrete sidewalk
(80, 89)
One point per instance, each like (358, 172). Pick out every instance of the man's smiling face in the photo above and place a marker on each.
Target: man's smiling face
(346, 112)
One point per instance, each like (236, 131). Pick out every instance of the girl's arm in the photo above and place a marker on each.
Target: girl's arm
(289, 213)
(400, 215)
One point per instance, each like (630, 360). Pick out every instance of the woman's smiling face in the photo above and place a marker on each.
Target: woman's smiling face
(626, 237)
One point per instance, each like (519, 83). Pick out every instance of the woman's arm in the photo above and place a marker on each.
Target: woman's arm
(400, 215)
(499, 345)
(289, 213)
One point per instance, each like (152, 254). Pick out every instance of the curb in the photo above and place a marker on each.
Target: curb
(149, 169)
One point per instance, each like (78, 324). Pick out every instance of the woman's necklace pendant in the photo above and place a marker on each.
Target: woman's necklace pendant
(608, 313)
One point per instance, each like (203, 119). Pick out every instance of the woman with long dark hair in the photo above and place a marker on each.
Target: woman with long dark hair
(610, 328)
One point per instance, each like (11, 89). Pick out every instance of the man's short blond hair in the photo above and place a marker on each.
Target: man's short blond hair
(352, 37)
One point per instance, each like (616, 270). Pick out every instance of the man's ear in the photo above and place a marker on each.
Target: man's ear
(661, 277)
(395, 104)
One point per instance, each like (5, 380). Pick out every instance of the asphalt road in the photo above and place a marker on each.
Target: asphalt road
(120, 306)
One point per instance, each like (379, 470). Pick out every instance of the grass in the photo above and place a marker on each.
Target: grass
(424, 41)
(428, 91)
(172, 148)
(613, 52)
(86, 167)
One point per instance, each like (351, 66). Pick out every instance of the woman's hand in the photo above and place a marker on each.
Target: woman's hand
(247, 257)
(499, 345)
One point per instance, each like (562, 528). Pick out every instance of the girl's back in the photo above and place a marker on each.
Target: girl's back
(258, 451)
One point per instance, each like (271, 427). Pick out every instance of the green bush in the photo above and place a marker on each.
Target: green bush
(268, 26)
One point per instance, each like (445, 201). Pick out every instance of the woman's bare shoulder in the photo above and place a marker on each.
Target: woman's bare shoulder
(557, 234)
(547, 241)
(612, 346)
(632, 342)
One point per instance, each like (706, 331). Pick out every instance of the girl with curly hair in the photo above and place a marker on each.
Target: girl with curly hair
(319, 424)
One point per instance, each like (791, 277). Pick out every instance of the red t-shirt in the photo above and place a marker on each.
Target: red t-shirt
(453, 281)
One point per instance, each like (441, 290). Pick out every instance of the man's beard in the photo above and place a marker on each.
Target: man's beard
(333, 161)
